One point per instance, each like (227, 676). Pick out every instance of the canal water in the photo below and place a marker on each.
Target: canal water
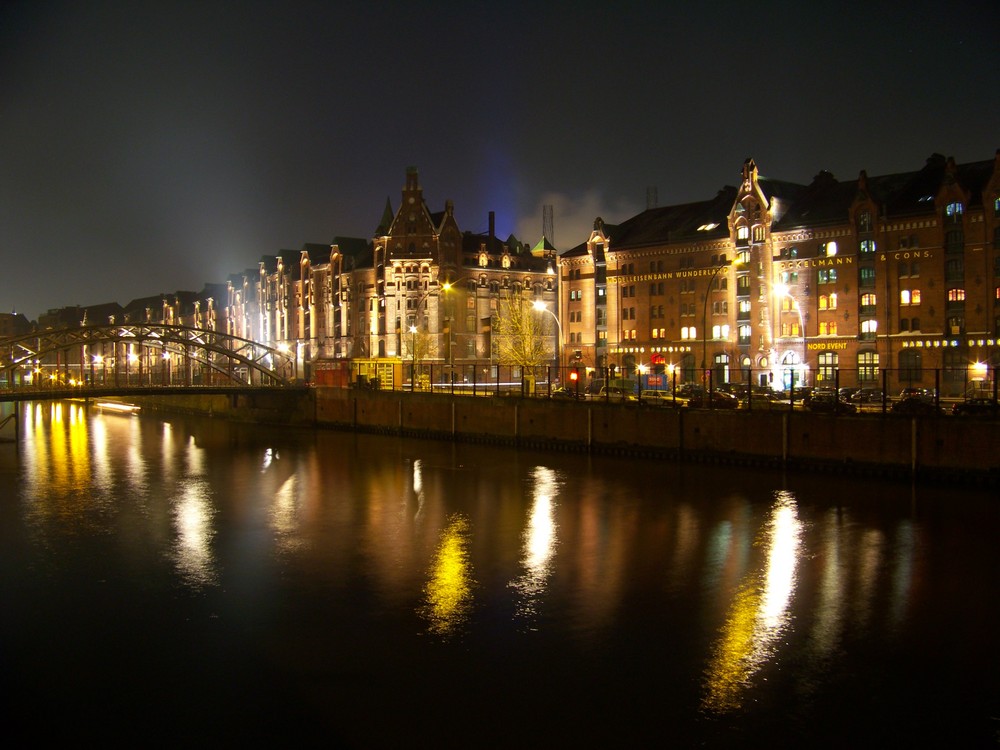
(173, 581)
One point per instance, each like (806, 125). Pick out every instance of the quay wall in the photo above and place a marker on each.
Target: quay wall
(945, 447)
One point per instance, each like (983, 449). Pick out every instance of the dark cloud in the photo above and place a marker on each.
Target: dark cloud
(155, 147)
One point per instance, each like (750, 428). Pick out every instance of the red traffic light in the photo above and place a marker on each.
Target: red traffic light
(574, 375)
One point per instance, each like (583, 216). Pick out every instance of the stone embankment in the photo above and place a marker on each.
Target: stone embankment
(938, 448)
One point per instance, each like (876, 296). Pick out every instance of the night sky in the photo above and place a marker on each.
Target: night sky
(154, 147)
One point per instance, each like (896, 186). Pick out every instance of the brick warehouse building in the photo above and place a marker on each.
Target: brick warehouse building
(892, 279)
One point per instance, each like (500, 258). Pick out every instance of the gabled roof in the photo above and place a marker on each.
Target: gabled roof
(823, 201)
(657, 226)
(912, 193)
(357, 252)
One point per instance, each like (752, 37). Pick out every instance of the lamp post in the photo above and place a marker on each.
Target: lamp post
(704, 315)
(540, 307)
(413, 354)
(450, 317)
(782, 291)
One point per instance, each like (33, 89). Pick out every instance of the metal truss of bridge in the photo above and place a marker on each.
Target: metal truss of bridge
(145, 355)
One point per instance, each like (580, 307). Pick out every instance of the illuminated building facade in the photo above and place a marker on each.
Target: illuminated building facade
(893, 277)
(419, 289)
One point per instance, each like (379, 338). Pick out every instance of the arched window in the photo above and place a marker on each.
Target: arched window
(910, 366)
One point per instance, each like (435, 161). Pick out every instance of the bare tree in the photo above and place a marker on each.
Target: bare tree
(519, 335)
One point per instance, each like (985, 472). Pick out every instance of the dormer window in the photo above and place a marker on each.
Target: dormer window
(953, 212)
(865, 221)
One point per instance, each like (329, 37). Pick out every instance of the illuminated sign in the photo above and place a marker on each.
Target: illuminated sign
(826, 345)
(817, 262)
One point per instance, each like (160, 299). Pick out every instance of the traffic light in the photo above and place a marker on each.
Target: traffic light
(574, 378)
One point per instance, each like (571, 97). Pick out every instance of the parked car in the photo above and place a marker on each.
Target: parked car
(976, 406)
(661, 398)
(829, 401)
(924, 394)
(689, 390)
(769, 400)
(847, 391)
(915, 406)
(801, 393)
(566, 394)
(615, 394)
(715, 400)
(867, 396)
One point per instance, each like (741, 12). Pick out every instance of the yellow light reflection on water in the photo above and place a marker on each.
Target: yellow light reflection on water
(59, 464)
(759, 612)
(449, 590)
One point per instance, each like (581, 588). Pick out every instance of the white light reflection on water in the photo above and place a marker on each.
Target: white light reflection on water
(902, 578)
(418, 487)
(869, 566)
(193, 514)
(759, 612)
(539, 541)
(448, 593)
(829, 610)
(285, 515)
(193, 517)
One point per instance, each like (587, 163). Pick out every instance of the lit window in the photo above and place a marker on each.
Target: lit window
(824, 303)
(953, 210)
(904, 297)
(823, 328)
(868, 300)
(867, 247)
(827, 276)
(833, 302)
(956, 295)
(829, 249)
(868, 366)
(914, 296)
(869, 326)
(743, 233)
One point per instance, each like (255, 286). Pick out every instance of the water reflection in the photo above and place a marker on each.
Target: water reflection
(193, 513)
(759, 611)
(539, 541)
(449, 590)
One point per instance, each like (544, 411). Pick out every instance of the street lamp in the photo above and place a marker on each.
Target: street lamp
(540, 307)
(413, 353)
(781, 291)
(704, 315)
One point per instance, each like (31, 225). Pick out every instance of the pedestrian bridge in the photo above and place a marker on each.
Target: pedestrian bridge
(105, 360)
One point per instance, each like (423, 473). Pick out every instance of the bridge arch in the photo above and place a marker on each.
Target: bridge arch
(144, 354)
